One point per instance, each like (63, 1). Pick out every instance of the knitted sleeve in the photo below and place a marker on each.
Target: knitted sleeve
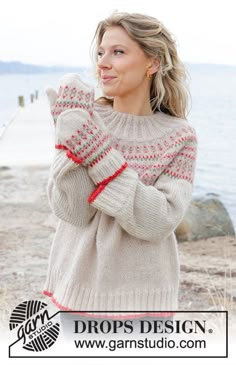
(69, 187)
(149, 212)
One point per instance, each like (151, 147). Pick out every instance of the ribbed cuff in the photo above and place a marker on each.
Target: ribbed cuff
(107, 168)
(102, 186)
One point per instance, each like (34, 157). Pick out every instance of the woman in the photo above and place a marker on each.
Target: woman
(123, 175)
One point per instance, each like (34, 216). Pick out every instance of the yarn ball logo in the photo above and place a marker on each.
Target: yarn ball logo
(34, 326)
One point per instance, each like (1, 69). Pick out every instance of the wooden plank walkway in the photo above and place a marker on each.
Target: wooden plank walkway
(29, 138)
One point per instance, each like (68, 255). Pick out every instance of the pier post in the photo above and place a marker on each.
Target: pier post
(21, 101)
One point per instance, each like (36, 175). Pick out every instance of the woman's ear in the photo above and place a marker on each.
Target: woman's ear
(154, 67)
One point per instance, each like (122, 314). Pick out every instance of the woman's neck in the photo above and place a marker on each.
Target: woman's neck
(130, 105)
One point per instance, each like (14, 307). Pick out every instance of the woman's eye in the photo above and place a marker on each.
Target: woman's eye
(118, 51)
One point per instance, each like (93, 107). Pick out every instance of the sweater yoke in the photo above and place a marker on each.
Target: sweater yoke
(152, 145)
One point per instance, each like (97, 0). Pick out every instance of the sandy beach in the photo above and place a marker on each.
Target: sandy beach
(27, 226)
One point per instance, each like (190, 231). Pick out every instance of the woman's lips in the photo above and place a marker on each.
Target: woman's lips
(106, 79)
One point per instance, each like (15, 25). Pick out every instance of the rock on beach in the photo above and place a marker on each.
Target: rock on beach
(206, 217)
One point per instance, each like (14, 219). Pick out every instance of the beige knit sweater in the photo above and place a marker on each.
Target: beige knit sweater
(119, 252)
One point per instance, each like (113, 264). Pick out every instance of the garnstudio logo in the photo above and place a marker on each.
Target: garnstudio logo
(34, 327)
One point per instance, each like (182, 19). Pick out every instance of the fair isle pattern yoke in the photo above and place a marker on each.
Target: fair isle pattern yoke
(174, 156)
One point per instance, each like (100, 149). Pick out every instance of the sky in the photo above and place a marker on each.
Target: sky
(56, 32)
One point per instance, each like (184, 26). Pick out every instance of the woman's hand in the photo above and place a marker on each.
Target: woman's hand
(82, 135)
(73, 94)
(88, 143)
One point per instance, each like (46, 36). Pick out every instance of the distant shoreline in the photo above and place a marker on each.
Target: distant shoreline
(17, 67)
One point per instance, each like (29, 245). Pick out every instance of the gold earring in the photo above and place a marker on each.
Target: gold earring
(149, 75)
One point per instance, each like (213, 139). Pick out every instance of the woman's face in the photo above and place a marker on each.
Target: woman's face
(122, 64)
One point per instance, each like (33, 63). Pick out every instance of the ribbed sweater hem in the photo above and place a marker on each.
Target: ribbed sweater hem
(113, 315)
(83, 299)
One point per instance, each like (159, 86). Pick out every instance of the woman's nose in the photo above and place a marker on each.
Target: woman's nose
(103, 62)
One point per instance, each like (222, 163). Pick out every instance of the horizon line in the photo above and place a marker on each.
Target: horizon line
(86, 66)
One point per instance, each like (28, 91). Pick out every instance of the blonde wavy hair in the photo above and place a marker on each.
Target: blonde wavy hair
(169, 92)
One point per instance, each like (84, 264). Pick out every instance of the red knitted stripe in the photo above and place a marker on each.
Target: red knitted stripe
(61, 147)
(73, 157)
(102, 184)
(45, 292)
(95, 193)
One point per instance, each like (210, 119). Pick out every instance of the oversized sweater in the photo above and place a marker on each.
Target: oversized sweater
(114, 248)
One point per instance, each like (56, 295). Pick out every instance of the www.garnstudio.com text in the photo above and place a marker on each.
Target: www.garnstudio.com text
(163, 343)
